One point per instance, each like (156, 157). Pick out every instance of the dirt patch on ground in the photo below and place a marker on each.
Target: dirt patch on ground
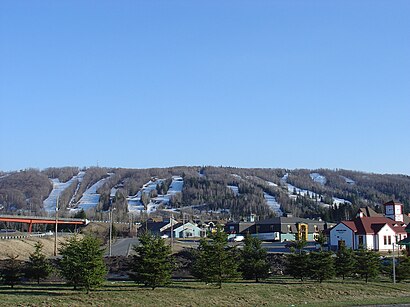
(24, 247)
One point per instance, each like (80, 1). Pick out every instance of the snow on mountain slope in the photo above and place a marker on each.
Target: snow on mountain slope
(134, 202)
(58, 188)
(90, 197)
(348, 180)
(273, 204)
(316, 177)
(234, 189)
(295, 192)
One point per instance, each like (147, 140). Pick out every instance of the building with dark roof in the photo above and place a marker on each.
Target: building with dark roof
(279, 228)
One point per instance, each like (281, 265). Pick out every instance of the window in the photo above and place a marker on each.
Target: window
(361, 241)
(389, 240)
(385, 240)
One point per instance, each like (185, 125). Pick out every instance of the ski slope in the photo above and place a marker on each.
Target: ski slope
(90, 197)
(49, 204)
(273, 204)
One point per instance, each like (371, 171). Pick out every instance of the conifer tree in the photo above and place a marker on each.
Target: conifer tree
(82, 263)
(345, 262)
(254, 263)
(152, 266)
(403, 268)
(12, 271)
(38, 267)
(297, 265)
(321, 266)
(215, 262)
(321, 240)
(367, 264)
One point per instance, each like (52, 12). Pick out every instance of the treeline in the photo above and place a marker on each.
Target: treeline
(24, 190)
(62, 173)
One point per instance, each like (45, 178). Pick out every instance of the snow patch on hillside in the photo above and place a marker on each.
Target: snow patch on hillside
(348, 180)
(338, 201)
(316, 177)
(273, 204)
(90, 197)
(271, 184)
(49, 204)
(295, 192)
(234, 189)
(134, 202)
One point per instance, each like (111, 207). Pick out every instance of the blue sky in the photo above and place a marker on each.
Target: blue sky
(293, 84)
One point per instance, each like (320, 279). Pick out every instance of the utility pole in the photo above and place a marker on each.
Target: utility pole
(172, 232)
(56, 229)
(394, 267)
(110, 232)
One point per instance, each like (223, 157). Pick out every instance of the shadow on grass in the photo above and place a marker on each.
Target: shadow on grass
(31, 293)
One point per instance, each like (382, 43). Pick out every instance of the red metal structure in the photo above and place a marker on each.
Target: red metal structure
(30, 220)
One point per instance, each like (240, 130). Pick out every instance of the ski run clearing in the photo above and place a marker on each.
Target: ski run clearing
(135, 204)
(90, 197)
(58, 188)
(294, 192)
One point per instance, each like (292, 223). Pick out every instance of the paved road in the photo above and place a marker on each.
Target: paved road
(123, 246)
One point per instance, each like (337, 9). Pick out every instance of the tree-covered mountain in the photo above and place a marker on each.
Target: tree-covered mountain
(218, 191)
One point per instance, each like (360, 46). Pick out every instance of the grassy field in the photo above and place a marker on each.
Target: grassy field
(281, 292)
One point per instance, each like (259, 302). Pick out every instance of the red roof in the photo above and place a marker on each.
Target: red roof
(351, 225)
(372, 225)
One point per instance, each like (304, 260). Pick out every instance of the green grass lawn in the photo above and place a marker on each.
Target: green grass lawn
(278, 292)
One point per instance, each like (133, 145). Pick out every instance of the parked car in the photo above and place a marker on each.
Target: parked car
(238, 238)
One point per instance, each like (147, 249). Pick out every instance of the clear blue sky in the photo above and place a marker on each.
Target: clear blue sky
(294, 84)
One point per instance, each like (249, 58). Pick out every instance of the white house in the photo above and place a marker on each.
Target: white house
(372, 231)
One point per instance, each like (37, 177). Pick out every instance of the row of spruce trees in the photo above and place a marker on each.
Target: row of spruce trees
(214, 262)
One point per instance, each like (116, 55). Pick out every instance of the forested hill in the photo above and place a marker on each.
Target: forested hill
(218, 191)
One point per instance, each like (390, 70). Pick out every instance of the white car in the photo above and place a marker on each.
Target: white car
(239, 238)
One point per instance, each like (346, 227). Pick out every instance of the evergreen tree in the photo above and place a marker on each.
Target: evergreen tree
(321, 266)
(82, 263)
(254, 264)
(367, 264)
(12, 271)
(297, 265)
(80, 215)
(215, 262)
(403, 268)
(38, 267)
(152, 266)
(321, 240)
(345, 262)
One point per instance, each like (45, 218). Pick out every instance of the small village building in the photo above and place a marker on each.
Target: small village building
(188, 230)
(288, 228)
(371, 230)
(281, 229)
